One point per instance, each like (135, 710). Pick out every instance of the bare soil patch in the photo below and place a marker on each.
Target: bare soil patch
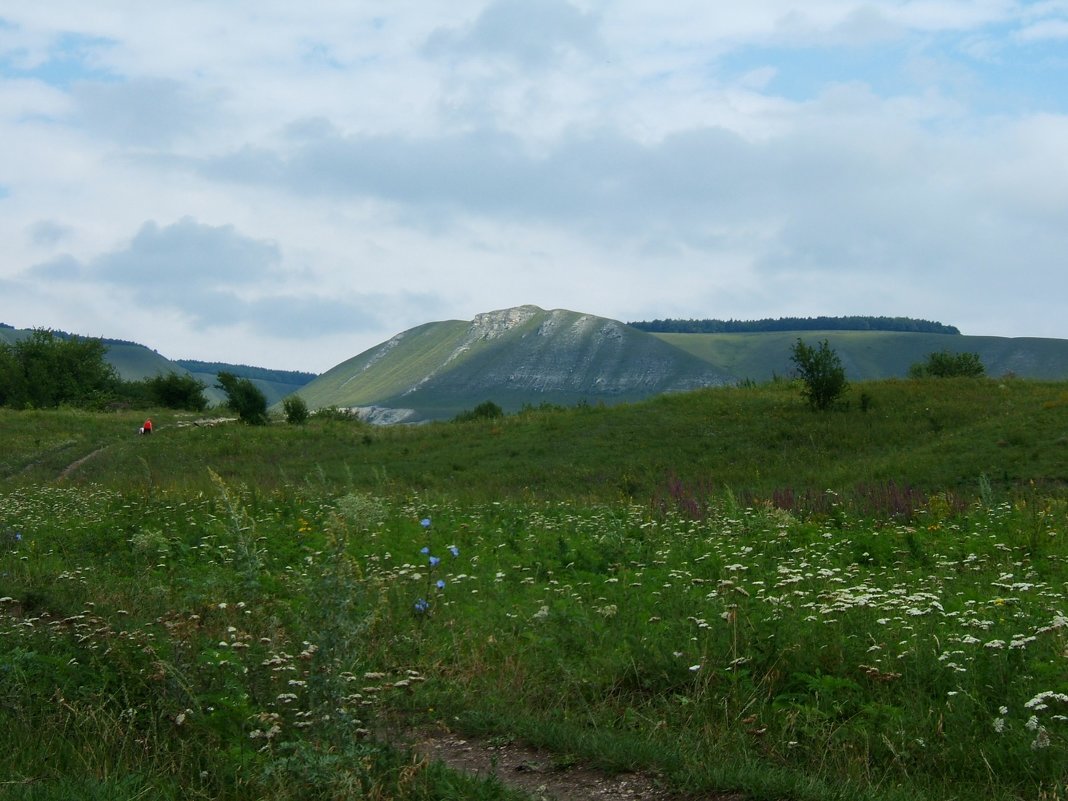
(538, 773)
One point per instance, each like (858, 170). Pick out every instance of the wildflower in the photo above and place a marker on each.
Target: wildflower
(541, 614)
(424, 550)
(434, 561)
(421, 607)
(440, 584)
(1041, 740)
(454, 550)
(694, 668)
(425, 522)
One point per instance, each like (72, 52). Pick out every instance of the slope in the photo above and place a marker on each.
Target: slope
(514, 357)
(874, 354)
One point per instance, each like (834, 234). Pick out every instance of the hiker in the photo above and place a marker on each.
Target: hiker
(147, 427)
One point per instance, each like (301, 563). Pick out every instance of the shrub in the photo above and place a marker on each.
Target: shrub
(244, 398)
(822, 373)
(296, 409)
(944, 364)
(487, 410)
(176, 391)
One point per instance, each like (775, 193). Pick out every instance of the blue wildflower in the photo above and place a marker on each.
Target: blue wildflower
(421, 607)
(425, 522)
(434, 561)
(441, 584)
(454, 550)
(424, 550)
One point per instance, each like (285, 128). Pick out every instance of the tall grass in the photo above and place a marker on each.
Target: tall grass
(930, 436)
(721, 587)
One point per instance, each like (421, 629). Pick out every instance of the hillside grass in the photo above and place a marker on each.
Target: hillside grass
(723, 587)
(873, 355)
(759, 441)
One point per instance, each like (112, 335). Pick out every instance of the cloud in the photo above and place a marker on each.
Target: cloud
(216, 277)
(533, 33)
(188, 253)
(363, 172)
(48, 233)
(1044, 30)
(150, 111)
(61, 268)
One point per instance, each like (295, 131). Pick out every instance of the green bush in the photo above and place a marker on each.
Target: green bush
(296, 409)
(822, 373)
(175, 391)
(487, 410)
(944, 364)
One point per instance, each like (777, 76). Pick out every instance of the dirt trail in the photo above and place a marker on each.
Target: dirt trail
(79, 462)
(540, 774)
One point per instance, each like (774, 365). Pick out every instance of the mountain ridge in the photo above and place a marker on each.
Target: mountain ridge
(527, 356)
(515, 356)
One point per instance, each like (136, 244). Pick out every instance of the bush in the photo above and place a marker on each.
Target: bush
(176, 391)
(296, 409)
(822, 373)
(244, 398)
(487, 410)
(944, 364)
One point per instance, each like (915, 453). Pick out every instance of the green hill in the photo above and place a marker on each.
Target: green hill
(528, 356)
(134, 362)
(874, 354)
(131, 361)
(514, 357)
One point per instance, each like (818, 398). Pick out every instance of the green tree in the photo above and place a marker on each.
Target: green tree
(44, 370)
(296, 409)
(822, 373)
(945, 364)
(244, 398)
(177, 391)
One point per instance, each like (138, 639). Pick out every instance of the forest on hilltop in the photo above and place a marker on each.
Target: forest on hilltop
(852, 323)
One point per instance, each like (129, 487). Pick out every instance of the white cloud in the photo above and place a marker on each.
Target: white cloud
(323, 177)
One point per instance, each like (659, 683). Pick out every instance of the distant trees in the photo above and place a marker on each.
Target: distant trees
(853, 323)
(177, 391)
(487, 410)
(244, 398)
(822, 373)
(43, 371)
(948, 365)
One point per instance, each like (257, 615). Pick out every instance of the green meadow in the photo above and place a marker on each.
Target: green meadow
(722, 588)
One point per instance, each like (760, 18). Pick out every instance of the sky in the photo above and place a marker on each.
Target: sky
(289, 184)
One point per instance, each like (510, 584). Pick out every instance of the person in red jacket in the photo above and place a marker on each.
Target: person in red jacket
(147, 427)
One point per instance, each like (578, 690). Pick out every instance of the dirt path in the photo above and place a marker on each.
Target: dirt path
(540, 774)
(79, 462)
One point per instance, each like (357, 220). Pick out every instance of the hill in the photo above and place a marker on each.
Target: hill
(134, 362)
(131, 361)
(870, 355)
(514, 357)
(274, 384)
(528, 356)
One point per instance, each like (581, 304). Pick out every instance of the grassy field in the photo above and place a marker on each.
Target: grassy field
(723, 588)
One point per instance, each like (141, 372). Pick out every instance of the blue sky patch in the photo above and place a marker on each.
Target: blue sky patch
(71, 59)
